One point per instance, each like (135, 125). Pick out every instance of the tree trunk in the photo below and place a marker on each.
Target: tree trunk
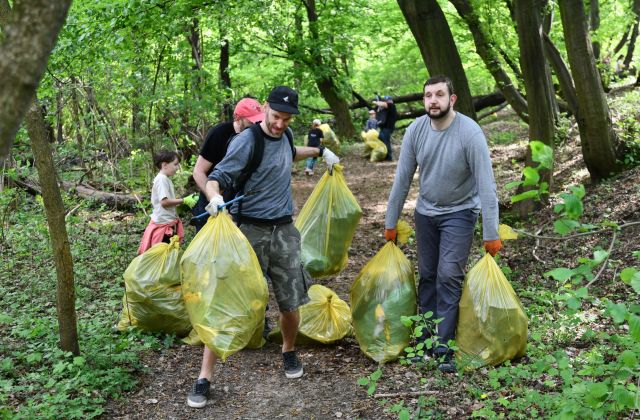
(24, 52)
(225, 79)
(597, 138)
(542, 107)
(491, 58)
(5, 10)
(326, 83)
(77, 119)
(623, 40)
(594, 24)
(196, 54)
(562, 73)
(59, 109)
(437, 47)
(54, 208)
(632, 44)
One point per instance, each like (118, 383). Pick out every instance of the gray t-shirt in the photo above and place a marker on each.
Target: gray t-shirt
(271, 180)
(455, 172)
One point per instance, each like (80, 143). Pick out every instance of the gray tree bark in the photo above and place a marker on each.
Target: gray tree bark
(326, 82)
(491, 59)
(563, 74)
(28, 36)
(594, 24)
(437, 47)
(597, 138)
(542, 107)
(54, 208)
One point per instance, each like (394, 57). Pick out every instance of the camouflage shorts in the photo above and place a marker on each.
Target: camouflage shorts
(278, 251)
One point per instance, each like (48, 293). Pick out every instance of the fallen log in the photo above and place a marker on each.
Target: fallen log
(480, 102)
(115, 200)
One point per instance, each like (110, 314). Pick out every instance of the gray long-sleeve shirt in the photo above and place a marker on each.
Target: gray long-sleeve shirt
(271, 180)
(455, 172)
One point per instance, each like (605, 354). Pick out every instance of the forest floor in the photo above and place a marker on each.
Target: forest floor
(251, 384)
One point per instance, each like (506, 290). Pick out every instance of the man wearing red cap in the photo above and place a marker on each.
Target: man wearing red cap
(247, 111)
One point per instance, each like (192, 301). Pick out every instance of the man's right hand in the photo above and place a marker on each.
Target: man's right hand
(212, 207)
(390, 234)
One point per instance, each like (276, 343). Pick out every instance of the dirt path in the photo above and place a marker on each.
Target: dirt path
(251, 384)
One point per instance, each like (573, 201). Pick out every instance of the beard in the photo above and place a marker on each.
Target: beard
(443, 113)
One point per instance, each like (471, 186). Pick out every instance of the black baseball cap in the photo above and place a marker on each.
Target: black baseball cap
(284, 99)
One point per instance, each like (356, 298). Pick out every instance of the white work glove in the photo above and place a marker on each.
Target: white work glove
(330, 158)
(212, 207)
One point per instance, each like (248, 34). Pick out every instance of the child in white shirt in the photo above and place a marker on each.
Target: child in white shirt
(164, 220)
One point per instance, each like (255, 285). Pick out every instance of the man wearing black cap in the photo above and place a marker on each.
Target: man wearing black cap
(387, 116)
(266, 219)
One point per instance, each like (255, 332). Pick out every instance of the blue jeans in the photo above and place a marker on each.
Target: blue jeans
(444, 243)
(385, 137)
(311, 162)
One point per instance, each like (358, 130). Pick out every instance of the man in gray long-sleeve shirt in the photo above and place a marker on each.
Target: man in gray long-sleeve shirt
(266, 221)
(456, 182)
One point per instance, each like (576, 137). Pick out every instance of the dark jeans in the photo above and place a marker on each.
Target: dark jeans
(444, 243)
(385, 137)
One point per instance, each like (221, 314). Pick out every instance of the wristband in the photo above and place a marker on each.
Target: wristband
(321, 150)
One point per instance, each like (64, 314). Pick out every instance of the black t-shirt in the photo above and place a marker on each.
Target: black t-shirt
(388, 116)
(314, 136)
(215, 144)
(213, 149)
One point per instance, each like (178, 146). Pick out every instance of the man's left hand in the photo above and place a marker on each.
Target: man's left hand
(330, 158)
(492, 247)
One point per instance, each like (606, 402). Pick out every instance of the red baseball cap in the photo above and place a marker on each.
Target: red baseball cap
(250, 109)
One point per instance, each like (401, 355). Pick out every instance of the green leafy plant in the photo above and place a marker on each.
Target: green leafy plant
(371, 381)
(542, 154)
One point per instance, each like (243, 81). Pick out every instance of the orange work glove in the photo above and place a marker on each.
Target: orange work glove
(390, 234)
(492, 247)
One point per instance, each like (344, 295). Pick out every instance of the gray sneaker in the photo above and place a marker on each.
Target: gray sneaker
(292, 365)
(200, 394)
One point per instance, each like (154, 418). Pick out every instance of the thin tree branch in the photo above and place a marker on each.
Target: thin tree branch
(403, 394)
(564, 238)
(606, 260)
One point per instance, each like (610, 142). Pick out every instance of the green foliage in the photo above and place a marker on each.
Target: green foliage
(371, 381)
(542, 154)
(583, 352)
(37, 379)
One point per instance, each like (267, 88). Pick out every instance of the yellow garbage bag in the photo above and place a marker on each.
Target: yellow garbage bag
(325, 319)
(327, 223)
(506, 232)
(374, 149)
(330, 139)
(404, 232)
(224, 289)
(153, 296)
(383, 292)
(257, 340)
(492, 325)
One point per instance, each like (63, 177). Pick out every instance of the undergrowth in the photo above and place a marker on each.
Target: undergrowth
(37, 379)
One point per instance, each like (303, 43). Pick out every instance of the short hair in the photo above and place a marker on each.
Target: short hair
(439, 79)
(165, 156)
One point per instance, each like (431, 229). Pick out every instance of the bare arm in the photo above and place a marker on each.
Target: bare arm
(212, 188)
(303, 152)
(200, 172)
(171, 202)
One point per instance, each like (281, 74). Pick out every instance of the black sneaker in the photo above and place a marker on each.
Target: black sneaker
(200, 394)
(447, 365)
(292, 365)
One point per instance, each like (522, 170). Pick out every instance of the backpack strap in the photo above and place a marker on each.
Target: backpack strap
(255, 160)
